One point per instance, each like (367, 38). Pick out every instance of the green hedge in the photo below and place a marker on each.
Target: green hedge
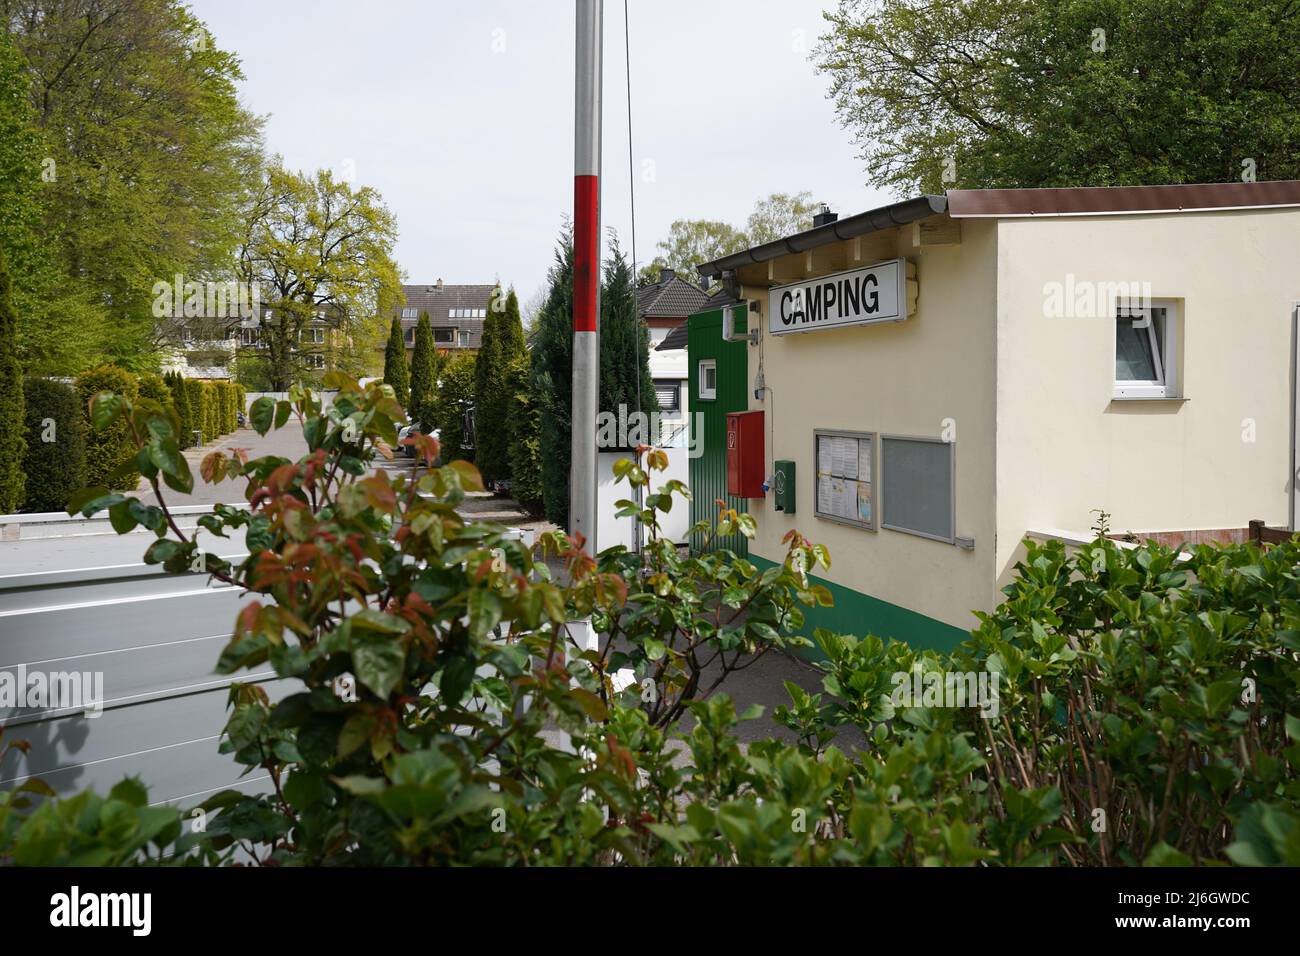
(107, 449)
(55, 462)
(198, 420)
(181, 402)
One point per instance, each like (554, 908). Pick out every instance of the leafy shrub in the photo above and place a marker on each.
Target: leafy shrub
(55, 463)
(1145, 707)
(181, 403)
(155, 389)
(198, 413)
(524, 426)
(12, 482)
(107, 450)
(455, 399)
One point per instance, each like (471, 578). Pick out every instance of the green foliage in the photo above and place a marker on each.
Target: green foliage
(693, 241)
(552, 381)
(55, 464)
(454, 403)
(181, 403)
(12, 420)
(524, 424)
(152, 157)
(317, 246)
(423, 407)
(211, 412)
(86, 829)
(108, 451)
(1144, 710)
(503, 343)
(197, 397)
(153, 387)
(624, 344)
(1024, 93)
(396, 372)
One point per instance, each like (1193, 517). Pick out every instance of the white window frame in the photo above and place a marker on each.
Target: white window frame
(410, 313)
(462, 339)
(1164, 349)
(707, 394)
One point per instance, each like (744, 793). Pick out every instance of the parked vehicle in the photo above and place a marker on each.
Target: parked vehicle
(415, 428)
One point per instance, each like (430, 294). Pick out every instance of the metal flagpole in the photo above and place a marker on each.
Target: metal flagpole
(586, 270)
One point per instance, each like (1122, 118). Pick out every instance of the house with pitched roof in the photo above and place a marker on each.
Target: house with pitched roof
(456, 314)
(924, 385)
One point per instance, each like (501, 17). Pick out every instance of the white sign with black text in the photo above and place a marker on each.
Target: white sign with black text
(876, 293)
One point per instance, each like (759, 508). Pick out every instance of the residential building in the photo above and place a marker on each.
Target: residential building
(664, 306)
(456, 314)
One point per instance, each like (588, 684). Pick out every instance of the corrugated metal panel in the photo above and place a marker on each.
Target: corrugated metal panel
(709, 470)
(153, 640)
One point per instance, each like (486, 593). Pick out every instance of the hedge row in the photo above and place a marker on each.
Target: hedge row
(65, 453)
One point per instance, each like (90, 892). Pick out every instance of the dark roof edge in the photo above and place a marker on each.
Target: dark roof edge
(1103, 200)
(873, 220)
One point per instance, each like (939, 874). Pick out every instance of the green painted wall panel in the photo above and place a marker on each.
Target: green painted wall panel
(709, 471)
(861, 614)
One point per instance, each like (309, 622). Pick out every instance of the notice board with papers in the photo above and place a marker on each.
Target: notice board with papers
(845, 464)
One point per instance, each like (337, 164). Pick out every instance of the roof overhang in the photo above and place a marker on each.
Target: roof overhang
(873, 220)
(1121, 200)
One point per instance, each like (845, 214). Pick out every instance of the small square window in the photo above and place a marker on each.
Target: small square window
(708, 380)
(451, 313)
(668, 391)
(1146, 355)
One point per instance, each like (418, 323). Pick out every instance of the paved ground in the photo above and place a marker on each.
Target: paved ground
(286, 442)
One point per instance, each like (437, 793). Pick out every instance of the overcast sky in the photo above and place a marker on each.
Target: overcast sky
(461, 115)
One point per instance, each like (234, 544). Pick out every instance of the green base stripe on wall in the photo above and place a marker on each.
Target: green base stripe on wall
(861, 614)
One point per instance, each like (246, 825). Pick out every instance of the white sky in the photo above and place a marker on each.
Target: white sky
(472, 148)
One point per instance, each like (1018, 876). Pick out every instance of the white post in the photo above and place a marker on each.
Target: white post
(586, 271)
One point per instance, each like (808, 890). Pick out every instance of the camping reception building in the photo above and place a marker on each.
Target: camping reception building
(923, 385)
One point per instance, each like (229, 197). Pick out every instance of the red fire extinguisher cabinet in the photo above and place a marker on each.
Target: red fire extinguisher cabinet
(745, 454)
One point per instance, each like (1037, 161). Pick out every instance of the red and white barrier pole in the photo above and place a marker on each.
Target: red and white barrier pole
(586, 270)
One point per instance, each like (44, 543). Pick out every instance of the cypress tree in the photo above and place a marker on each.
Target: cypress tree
(13, 444)
(455, 396)
(624, 344)
(424, 375)
(503, 344)
(552, 381)
(181, 399)
(524, 424)
(396, 372)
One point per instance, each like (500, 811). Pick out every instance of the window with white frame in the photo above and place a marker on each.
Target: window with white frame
(708, 379)
(314, 360)
(312, 336)
(917, 477)
(409, 314)
(464, 340)
(1146, 351)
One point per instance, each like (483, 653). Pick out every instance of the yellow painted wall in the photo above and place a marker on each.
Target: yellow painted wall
(901, 378)
(1063, 447)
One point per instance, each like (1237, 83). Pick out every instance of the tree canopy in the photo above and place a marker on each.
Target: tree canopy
(693, 241)
(1025, 93)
